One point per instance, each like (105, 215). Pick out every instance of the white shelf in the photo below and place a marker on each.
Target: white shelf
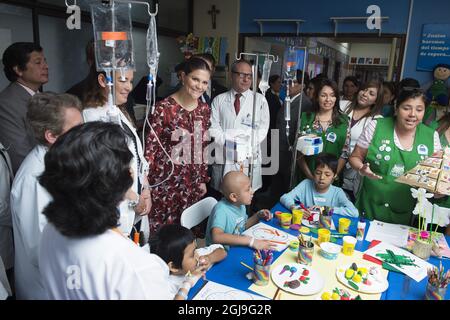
(336, 20)
(261, 21)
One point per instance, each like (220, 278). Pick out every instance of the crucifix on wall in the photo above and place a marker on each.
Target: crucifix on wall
(213, 12)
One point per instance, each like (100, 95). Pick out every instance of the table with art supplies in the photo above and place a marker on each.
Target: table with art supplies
(339, 268)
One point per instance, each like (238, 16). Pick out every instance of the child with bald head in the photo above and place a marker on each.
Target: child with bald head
(229, 217)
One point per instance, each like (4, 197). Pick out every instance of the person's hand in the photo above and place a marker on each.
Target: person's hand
(204, 261)
(439, 196)
(306, 215)
(263, 245)
(145, 203)
(264, 214)
(366, 172)
(202, 188)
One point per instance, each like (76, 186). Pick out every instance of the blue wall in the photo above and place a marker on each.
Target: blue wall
(425, 11)
(317, 14)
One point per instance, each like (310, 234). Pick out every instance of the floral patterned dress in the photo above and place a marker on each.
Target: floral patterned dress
(182, 133)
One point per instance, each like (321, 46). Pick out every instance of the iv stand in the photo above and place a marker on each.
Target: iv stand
(254, 86)
(293, 148)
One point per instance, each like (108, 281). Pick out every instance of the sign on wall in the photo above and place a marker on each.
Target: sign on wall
(434, 46)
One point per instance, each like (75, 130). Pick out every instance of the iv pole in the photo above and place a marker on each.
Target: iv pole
(293, 148)
(254, 154)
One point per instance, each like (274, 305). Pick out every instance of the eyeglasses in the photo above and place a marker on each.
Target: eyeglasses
(243, 75)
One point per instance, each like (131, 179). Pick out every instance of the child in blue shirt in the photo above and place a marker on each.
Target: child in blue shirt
(321, 192)
(229, 218)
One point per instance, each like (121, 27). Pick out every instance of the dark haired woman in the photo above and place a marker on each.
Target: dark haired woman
(365, 107)
(387, 149)
(350, 88)
(328, 122)
(95, 109)
(179, 124)
(82, 253)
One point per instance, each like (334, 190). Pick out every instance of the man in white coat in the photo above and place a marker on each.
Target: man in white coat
(49, 115)
(231, 126)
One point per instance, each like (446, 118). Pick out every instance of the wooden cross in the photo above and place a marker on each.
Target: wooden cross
(213, 12)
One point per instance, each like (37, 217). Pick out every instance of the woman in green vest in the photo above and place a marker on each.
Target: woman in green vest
(327, 121)
(388, 148)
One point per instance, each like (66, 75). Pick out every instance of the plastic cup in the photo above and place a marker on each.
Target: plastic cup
(297, 216)
(286, 219)
(305, 253)
(435, 293)
(278, 215)
(325, 221)
(344, 225)
(261, 274)
(348, 247)
(323, 235)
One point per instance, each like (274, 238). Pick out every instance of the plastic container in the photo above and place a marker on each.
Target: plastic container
(361, 229)
(329, 251)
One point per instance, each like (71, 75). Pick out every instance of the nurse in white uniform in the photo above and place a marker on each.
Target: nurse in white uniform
(83, 255)
(49, 115)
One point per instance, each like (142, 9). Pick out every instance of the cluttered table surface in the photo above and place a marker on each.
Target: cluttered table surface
(232, 271)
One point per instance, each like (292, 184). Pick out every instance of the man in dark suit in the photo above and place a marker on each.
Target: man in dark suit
(280, 184)
(25, 66)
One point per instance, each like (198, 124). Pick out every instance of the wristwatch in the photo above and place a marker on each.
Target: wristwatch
(133, 203)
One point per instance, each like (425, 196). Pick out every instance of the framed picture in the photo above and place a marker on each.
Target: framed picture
(369, 60)
(353, 60)
(384, 61)
(376, 60)
(361, 60)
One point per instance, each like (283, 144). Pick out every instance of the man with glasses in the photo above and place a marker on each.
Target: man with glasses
(231, 126)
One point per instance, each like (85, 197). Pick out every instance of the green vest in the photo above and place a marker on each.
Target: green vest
(385, 199)
(333, 139)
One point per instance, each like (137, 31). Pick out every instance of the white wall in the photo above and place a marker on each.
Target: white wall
(227, 22)
(17, 22)
(371, 50)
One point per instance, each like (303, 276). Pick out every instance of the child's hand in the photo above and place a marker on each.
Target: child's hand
(306, 215)
(263, 245)
(204, 261)
(264, 214)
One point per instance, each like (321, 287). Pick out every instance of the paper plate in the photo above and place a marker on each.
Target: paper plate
(311, 283)
(377, 282)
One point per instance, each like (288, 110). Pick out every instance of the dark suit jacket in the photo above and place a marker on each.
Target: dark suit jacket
(274, 106)
(15, 133)
(281, 123)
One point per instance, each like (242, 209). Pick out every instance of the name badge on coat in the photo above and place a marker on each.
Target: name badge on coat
(331, 137)
(247, 121)
(422, 149)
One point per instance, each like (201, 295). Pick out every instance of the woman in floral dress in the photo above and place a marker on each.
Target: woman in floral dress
(180, 122)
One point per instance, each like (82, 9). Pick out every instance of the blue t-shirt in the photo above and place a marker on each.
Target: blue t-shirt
(228, 217)
(335, 197)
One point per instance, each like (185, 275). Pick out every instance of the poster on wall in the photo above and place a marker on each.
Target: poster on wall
(434, 46)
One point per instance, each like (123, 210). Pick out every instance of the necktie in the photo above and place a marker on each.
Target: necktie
(237, 103)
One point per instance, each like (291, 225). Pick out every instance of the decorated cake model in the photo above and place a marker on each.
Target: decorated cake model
(432, 174)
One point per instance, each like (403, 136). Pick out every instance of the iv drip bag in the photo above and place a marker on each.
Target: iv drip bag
(112, 36)
(264, 83)
(152, 45)
(290, 64)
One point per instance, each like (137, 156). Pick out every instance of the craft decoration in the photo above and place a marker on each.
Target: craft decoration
(304, 281)
(396, 260)
(432, 174)
(338, 294)
(362, 278)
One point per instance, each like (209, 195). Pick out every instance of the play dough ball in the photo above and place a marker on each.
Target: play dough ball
(326, 296)
(349, 273)
(357, 278)
(335, 296)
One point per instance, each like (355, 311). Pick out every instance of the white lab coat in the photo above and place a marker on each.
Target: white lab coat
(28, 199)
(127, 215)
(226, 126)
(102, 267)
(6, 235)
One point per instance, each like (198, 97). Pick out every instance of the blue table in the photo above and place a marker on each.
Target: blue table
(230, 272)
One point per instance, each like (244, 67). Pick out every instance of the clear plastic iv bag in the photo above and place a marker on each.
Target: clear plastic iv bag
(152, 45)
(113, 36)
(264, 83)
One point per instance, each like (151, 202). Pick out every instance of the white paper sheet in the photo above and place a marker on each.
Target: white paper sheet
(216, 291)
(416, 272)
(262, 231)
(395, 234)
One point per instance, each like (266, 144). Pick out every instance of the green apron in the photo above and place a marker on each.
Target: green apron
(385, 199)
(333, 139)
